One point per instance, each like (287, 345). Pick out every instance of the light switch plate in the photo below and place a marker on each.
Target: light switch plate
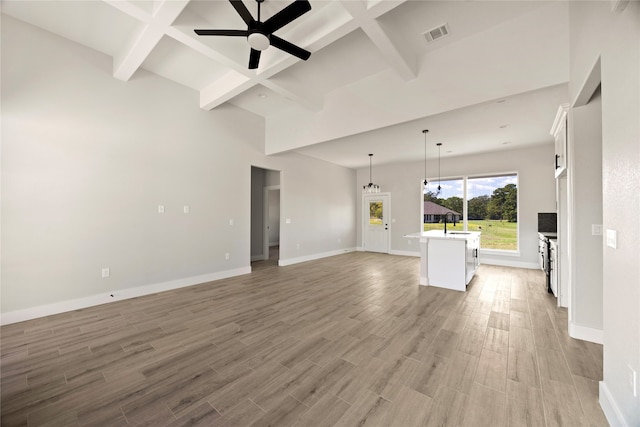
(186, 209)
(287, 221)
(160, 208)
(612, 238)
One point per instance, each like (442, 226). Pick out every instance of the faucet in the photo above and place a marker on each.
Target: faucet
(453, 218)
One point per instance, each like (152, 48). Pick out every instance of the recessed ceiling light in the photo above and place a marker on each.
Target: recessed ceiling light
(503, 126)
(449, 151)
(506, 143)
(500, 101)
(262, 95)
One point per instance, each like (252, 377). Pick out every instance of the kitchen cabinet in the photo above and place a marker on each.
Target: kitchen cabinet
(448, 260)
(553, 266)
(559, 132)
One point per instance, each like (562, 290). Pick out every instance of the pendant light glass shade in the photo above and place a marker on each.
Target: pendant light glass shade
(370, 188)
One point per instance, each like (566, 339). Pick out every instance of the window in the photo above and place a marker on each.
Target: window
(375, 213)
(492, 208)
(490, 205)
(446, 201)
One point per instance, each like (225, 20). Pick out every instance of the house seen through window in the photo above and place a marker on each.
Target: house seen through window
(490, 205)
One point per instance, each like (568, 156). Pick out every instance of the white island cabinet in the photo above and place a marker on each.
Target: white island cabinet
(448, 260)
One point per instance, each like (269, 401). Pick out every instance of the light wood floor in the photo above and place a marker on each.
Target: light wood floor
(346, 340)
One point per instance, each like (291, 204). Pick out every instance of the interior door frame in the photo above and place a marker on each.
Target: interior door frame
(265, 219)
(364, 218)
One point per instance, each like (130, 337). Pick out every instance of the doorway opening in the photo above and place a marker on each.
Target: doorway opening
(265, 216)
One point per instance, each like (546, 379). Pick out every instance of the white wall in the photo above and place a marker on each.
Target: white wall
(536, 192)
(274, 217)
(585, 169)
(617, 42)
(87, 159)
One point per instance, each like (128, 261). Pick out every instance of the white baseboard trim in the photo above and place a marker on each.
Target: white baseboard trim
(360, 249)
(585, 333)
(609, 407)
(405, 253)
(508, 263)
(257, 257)
(118, 295)
(291, 261)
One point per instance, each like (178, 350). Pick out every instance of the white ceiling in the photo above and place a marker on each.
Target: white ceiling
(372, 82)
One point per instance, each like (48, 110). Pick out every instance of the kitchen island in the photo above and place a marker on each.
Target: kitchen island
(448, 260)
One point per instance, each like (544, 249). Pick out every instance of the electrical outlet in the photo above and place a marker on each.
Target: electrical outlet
(297, 245)
(186, 209)
(160, 208)
(633, 381)
(596, 229)
(231, 221)
(106, 272)
(227, 256)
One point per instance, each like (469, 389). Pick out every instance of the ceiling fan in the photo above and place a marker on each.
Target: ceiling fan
(260, 34)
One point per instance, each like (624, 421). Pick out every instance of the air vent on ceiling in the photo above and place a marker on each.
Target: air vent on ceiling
(437, 33)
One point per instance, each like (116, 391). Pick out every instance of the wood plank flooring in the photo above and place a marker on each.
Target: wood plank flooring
(342, 341)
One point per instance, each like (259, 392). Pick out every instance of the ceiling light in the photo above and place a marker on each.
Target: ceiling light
(503, 126)
(500, 101)
(258, 41)
(370, 188)
(262, 95)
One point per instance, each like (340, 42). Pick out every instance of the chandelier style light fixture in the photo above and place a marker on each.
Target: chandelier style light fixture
(370, 188)
(425, 182)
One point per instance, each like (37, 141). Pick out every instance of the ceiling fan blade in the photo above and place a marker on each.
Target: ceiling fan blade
(233, 33)
(286, 15)
(242, 10)
(289, 47)
(254, 59)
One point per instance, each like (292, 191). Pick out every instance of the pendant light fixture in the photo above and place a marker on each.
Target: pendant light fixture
(439, 144)
(370, 188)
(425, 182)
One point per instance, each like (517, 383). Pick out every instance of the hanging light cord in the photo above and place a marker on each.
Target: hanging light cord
(439, 144)
(370, 178)
(425, 131)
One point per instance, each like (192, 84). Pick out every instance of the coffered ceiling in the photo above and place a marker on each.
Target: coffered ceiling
(373, 81)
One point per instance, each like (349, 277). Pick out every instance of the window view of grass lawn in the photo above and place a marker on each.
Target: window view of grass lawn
(492, 209)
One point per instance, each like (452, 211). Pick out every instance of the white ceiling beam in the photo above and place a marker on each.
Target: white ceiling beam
(140, 46)
(402, 61)
(223, 89)
(297, 93)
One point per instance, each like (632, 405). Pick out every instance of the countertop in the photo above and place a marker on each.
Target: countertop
(439, 234)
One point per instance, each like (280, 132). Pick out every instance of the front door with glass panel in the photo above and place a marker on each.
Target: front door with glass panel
(375, 210)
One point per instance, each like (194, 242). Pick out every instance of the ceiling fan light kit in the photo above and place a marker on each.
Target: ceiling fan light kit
(260, 34)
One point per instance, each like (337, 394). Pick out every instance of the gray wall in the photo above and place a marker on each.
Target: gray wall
(617, 42)
(536, 193)
(87, 159)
